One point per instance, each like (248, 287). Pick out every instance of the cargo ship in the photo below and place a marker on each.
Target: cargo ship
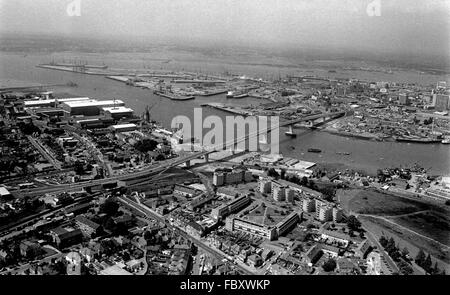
(343, 153)
(240, 94)
(313, 150)
(416, 139)
(173, 96)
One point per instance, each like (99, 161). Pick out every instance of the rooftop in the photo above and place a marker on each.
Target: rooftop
(73, 99)
(3, 191)
(119, 109)
(93, 102)
(38, 102)
(120, 126)
(114, 270)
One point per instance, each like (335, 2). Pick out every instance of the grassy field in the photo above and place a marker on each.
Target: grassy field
(432, 221)
(379, 203)
(429, 223)
(407, 239)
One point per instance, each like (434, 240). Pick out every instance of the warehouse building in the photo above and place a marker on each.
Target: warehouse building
(118, 112)
(89, 107)
(123, 127)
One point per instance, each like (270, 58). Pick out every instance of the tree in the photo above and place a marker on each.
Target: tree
(78, 168)
(420, 257)
(329, 265)
(146, 145)
(272, 173)
(159, 157)
(328, 193)
(304, 181)
(427, 264)
(283, 173)
(405, 268)
(405, 252)
(436, 269)
(390, 246)
(294, 179)
(353, 223)
(311, 184)
(383, 241)
(110, 207)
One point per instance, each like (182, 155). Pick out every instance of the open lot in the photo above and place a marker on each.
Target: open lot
(379, 203)
(429, 223)
(414, 224)
(408, 239)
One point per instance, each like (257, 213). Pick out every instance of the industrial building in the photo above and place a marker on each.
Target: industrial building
(118, 112)
(123, 127)
(89, 107)
(42, 103)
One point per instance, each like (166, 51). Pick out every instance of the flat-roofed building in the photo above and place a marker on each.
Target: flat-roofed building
(309, 205)
(320, 203)
(93, 122)
(289, 195)
(89, 107)
(337, 214)
(118, 112)
(66, 99)
(336, 237)
(287, 223)
(41, 103)
(230, 207)
(330, 251)
(87, 226)
(53, 102)
(185, 191)
(227, 176)
(313, 254)
(324, 213)
(278, 191)
(64, 237)
(265, 185)
(257, 229)
(123, 127)
(363, 248)
(218, 178)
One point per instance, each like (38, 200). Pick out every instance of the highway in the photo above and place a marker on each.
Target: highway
(179, 231)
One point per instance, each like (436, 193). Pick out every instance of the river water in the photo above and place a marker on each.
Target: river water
(364, 155)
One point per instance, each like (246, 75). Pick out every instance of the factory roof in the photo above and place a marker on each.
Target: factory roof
(73, 99)
(120, 126)
(38, 102)
(116, 110)
(93, 102)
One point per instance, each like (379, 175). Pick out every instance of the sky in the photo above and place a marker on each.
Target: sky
(409, 26)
